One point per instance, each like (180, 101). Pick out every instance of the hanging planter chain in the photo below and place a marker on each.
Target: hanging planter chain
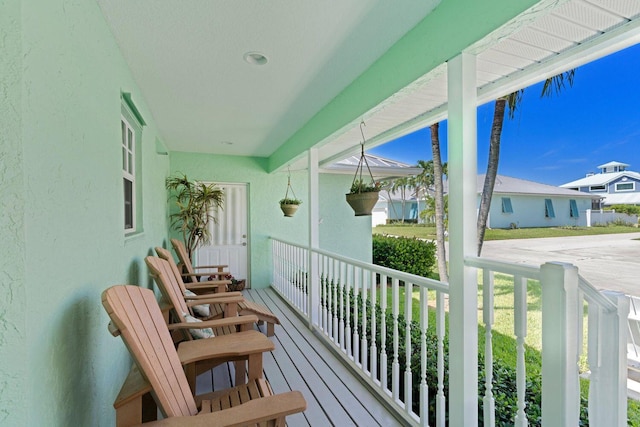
(289, 187)
(363, 160)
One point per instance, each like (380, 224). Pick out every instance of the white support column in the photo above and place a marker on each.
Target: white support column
(314, 237)
(463, 281)
(608, 386)
(560, 383)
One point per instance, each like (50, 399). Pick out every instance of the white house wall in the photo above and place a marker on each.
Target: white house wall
(529, 211)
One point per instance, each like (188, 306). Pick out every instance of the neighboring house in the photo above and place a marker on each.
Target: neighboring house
(614, 185)
(518, 203)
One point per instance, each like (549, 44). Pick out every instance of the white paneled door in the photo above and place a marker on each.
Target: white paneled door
(229, 234)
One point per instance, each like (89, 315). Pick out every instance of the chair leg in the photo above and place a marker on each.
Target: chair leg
(255, 366)
(240, 372)
(271, 329)
(191, 374)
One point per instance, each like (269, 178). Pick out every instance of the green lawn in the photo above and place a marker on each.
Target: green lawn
(429, 232)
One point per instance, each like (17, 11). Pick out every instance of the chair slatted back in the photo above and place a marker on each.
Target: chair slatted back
(135, 313)
(183, 256)
(161, 272)
(166, 255)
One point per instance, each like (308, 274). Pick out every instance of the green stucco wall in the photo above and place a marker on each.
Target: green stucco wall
(62, 214)
(13, 353)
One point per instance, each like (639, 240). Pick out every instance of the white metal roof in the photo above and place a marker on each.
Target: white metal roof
(381, 168)
(515, 186)
(601, 179)
(612, 164)
(631, 198)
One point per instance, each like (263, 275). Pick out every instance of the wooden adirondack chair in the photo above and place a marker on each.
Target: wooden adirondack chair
(188, 270)
(136, 317)
(244, 307)
(160, 270)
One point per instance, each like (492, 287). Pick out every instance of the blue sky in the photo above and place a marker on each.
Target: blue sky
(557, 139)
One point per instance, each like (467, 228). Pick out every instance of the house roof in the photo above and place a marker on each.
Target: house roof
(516, 186)
(381, 168)
(601, 179)
(329, 65)
(631, 198)
(612, 164)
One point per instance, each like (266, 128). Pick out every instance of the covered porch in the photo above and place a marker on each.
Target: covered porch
(74, 72)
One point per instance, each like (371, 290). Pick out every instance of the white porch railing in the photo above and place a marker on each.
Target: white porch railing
(342, 299)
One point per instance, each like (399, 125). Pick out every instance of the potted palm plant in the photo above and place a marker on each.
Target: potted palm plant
(192, 209)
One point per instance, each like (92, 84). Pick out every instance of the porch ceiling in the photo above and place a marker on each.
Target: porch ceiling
(187, 58)
(188, 62)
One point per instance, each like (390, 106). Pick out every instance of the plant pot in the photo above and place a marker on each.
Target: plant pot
(237, 286)
(363, 203)
(289, 210)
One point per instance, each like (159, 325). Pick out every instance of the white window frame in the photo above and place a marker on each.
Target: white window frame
(633, 186)
(128, 146)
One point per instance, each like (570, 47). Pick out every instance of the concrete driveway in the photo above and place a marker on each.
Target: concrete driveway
(609, 261)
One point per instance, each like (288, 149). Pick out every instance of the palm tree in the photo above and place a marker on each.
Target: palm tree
(513, 100)
(438, 170)
(403, 185)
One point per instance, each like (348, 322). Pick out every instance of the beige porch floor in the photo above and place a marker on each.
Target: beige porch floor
(335, 397)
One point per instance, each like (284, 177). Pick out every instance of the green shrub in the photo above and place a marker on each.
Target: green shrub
(626, 209)
(406, 254)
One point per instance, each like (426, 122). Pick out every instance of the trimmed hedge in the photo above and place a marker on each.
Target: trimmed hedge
(406, 254)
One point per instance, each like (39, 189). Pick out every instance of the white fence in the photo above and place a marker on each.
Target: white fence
(602, 217)
(344, 299)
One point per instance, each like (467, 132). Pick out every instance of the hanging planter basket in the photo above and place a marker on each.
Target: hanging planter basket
(289, 205)
(364, 192)
(362, 203)
(288, 209)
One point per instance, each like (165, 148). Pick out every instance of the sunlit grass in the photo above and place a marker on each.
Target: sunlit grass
(429, 232)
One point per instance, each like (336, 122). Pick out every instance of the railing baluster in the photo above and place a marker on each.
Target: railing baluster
(325, 292)
(408, 350)
(487, 317)
(374, 350)
(395, 366)
(440, 398)
(341, 283)
(520, 329)
(336, 286)
(424, 324)
(363, 337)
(383, 333)
(357, 275)
(347, 329)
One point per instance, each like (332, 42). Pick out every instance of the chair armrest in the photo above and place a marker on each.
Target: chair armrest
(219, 298)
(253, 412)
(219, 267)
(227, 321)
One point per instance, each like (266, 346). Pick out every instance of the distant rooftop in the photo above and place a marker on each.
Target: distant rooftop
(608, 172)
(510, 185)
(381, 168)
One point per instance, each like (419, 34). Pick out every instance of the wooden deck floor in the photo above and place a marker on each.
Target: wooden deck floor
(335, 397)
